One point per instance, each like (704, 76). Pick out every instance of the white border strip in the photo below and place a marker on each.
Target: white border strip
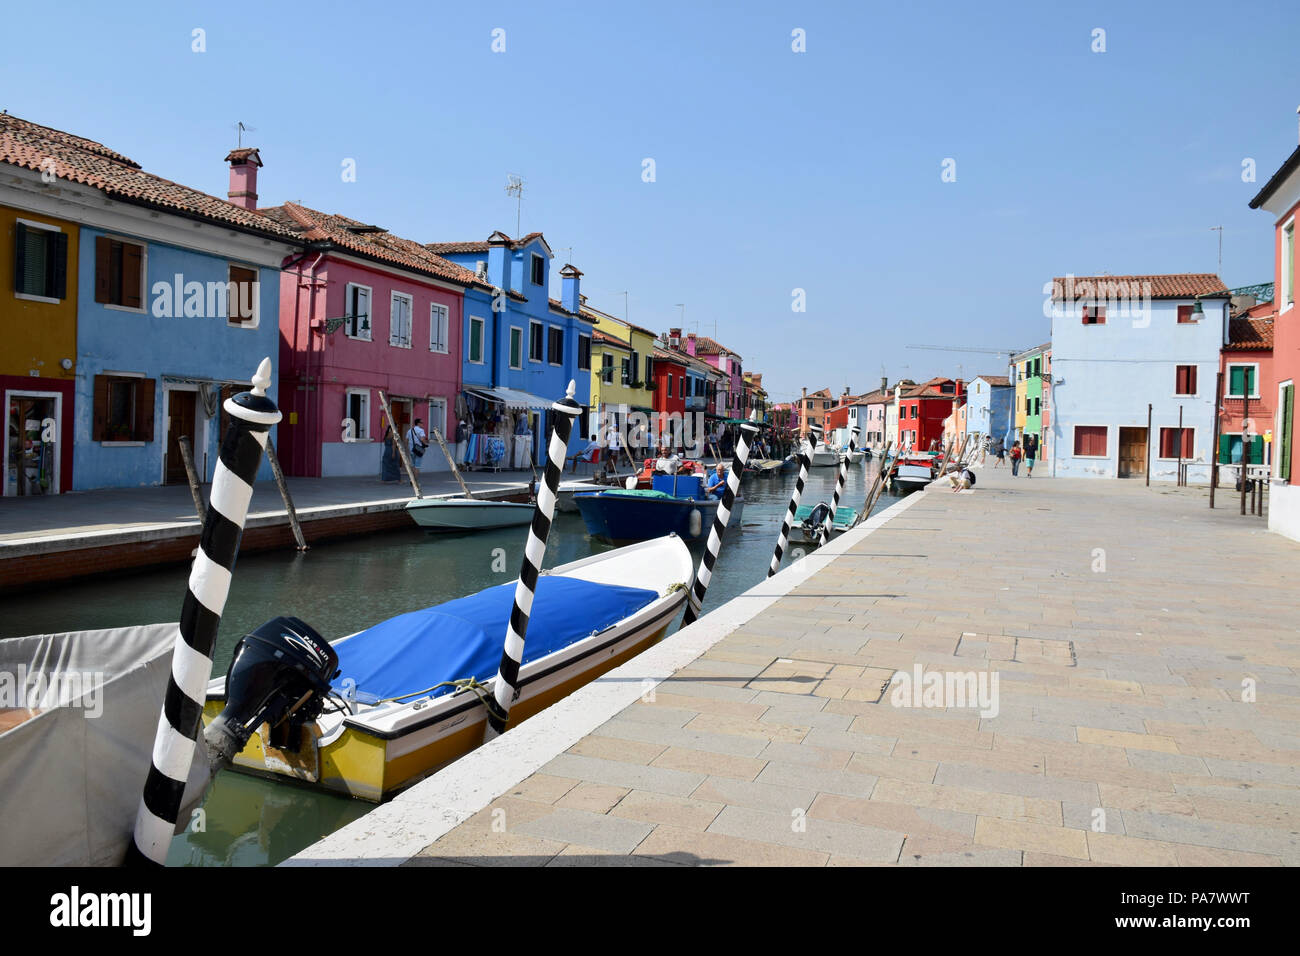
(394, 832)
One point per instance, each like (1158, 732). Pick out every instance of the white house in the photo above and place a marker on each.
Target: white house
(1128, 349)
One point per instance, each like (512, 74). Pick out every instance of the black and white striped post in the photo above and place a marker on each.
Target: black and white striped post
(251, 416)
(787, 522)
(695, 600)
(506, 690)
(824, 534)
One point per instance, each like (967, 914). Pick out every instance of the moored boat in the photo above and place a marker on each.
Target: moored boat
(467, 514)
(677, 504)
(410, 692)
(915, 470)
(808, 520)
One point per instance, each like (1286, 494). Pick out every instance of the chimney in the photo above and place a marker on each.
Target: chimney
(884, 383)
(690, 343)
(243, 177)
(499, 260)
(569, 295)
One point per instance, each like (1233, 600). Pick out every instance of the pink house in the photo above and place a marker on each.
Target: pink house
(731, 399)
(363, 311)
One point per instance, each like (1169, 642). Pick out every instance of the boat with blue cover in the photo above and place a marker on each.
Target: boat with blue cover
(808, 519)
(676, 504)
(411, 693)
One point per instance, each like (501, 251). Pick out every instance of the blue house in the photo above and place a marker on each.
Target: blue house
(522, 348)
(177, 301)
(988, 406)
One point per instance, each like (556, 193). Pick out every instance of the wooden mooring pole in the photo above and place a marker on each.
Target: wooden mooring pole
(401, 445)
(187, 456)
(284, 494)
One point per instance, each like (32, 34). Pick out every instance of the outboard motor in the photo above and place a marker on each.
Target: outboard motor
(280, 675)
(813, 523)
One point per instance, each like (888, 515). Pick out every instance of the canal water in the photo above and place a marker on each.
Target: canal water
(344, 586)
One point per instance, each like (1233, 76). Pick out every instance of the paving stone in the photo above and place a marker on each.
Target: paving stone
(632, 776)
(869, 843)
(657, 808)
(704, 762)
(693, 848)
(600, 830)
(1035, 837)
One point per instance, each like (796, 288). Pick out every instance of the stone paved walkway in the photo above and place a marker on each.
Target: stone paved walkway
(1122, 622)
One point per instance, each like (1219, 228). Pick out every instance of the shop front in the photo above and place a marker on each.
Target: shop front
(506, 427)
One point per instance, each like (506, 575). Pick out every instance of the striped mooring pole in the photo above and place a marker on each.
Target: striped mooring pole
(783, 538)
(251, 416)
(824, 535)
(695, 600)
(506, 690)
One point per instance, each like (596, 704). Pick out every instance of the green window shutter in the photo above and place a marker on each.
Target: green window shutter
(20, 256)
(1288, 422)
(1257, 450)
(1250, 381)
(59, 272)
(1236, 378)
(1225, 449)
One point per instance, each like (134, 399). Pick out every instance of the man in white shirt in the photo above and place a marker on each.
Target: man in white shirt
(417, 440)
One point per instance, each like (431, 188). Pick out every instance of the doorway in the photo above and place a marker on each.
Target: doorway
(31, 464)
(1132, 452)
(180, 422)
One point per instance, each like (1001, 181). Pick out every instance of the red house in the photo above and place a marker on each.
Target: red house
(1280, 197)
(1246, 364)
(922, 409)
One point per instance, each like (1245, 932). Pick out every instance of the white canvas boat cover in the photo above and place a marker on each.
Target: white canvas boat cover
(511, 397)
(71, 776)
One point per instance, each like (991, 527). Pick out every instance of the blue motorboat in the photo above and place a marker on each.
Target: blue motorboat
(675, 504)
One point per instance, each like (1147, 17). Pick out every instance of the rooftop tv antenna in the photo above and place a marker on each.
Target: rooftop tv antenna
(1219, 230)
(240, 130)
(515, 187)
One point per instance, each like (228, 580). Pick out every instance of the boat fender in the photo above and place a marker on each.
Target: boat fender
(630, 484)
(696, 524)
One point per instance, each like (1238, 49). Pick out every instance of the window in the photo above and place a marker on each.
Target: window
(670, 387)
(356, 309)
(627, 371)
(241, 297)
(475, 344)
(584, 353)
(1286, 424)
(399, 322)
(1185, 315)
(536, 341)
(516, 347)
(649, 369)
(1243, 381)
(1094, 315)
(1230, 449)
(1288, 265)
(358, 413)
(539, 270)
(1169, 442)
(1090, 441)
(438, 415)
(634, 365)
(40, 261)
(607, 368)
(825, 405)
(555, 346)
(123, 409)
(440, 328)
(119, 273)
(1185, 380)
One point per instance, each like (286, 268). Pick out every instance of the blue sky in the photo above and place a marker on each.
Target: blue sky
(775, 170)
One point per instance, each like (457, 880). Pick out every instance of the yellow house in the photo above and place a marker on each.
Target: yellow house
(622, 374)
(38, 326)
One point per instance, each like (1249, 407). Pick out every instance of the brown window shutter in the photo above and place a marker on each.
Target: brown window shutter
(101, 409)
(103, 268)
(144, 410)
(1191, 380)
(132, 274)
(241, 278)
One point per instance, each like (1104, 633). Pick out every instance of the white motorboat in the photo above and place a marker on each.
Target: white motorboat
(467, 514)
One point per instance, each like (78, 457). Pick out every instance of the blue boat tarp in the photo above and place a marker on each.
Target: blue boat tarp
(463, 638)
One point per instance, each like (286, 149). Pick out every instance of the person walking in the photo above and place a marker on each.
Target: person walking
(417, 441)
(462, 441)
(1016, 454)
(1031, 452)
(999, 452)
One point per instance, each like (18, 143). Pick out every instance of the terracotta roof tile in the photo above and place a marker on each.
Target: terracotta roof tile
(707, 346)
(451, 248)
(993, 379)
(1181, 285)
(368, 241)
(1249, 335)
(85, 161)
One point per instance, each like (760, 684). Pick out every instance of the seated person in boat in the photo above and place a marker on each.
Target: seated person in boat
(716, 481)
